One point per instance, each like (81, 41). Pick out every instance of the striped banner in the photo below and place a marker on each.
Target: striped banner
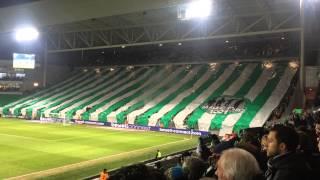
(227, 98)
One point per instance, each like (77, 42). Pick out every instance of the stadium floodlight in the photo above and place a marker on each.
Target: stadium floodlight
(26, 34)
(129, 68)
(179, 44)
(198, 9)
(188, 67)
(294, 64)
(268, 65)
(227, 41)
(35, 84)
(213, 66)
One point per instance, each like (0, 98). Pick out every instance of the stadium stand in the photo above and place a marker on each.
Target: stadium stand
(226, 96)
(160, 90)
(231, 156)
(8, 98)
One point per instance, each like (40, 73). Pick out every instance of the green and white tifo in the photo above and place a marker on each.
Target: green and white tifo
(164, 95)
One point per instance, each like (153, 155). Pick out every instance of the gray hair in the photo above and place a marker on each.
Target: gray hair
(238, 164)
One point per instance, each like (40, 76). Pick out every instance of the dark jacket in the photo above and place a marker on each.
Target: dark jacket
(290, 166)
(260, 157)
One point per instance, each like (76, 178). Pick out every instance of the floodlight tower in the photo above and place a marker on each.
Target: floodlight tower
(29, 34)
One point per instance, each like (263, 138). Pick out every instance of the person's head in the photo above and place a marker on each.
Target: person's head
(224, 145)
(264, 143)
(215, 139)
(193, 168)
(183, 157)
(282, 139)
(157, 165)
(250, 138)
(174, 173)
(237, 164)
(137, 171)
(201, 141)
(104, 170)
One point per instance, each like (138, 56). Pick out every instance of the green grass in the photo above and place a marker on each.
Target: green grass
(38, 150)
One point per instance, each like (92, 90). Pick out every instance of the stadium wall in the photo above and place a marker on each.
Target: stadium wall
(130, 126)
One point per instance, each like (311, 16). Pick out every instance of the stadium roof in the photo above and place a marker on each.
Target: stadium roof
(6, 3)
(113, 23)
(48, 12)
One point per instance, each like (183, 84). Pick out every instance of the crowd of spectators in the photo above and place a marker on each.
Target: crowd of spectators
(10, 86)
(11, 78)
(279, 111)
(189, 53)
(252, 50)
(288, 151)
(9, 89)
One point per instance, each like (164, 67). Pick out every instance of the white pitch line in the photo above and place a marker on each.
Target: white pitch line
(84, 163)
(23, 137)
(73, 138)
(115, 131)
(53, 140)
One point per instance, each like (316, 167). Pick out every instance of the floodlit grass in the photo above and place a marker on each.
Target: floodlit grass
(52, 151)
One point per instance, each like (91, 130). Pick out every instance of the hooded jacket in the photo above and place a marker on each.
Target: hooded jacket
(290, 166)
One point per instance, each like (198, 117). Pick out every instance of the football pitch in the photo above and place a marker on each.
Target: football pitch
(31, 150)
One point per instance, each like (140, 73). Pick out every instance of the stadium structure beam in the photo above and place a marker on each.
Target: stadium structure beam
(181, 40)
(253, 24)
(238, 17)
(286, 20)
(170, 32)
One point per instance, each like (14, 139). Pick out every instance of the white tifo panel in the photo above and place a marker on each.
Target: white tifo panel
(153, 78)
(63, 112)
(88, 90)
(57, 93)
(112, 117)
(132, 116)
(205, 121)
(94, 116)
(168, 107)
(274, 100)
(182, 115)
(105, 96)
(231, 120)
(57, 90)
